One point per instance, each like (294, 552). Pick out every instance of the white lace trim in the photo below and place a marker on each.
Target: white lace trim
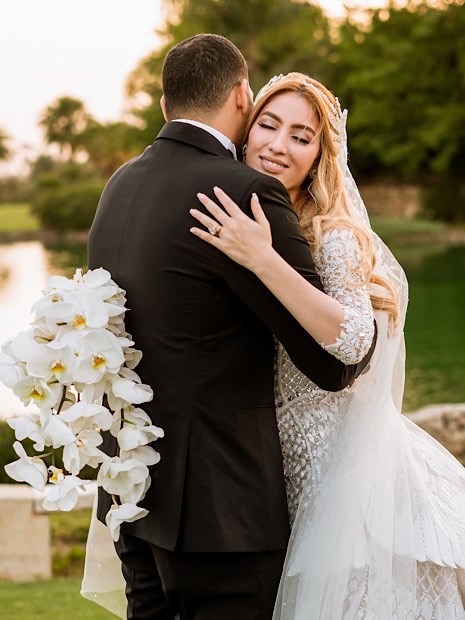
(337, 262)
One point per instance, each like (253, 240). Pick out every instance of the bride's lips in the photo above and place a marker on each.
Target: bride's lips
(270, 164)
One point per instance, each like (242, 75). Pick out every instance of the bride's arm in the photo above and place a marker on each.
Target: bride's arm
(344, 329)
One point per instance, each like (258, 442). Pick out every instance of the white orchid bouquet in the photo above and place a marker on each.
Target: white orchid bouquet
(75, 352)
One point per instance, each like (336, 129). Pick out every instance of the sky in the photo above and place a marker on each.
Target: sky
(81, 48)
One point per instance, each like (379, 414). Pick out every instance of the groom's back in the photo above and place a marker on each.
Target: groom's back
(207, 356)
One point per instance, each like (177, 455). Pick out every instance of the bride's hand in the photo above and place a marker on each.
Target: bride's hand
(244, 240)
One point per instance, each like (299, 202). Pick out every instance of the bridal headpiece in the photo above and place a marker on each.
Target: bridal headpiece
(336, 116)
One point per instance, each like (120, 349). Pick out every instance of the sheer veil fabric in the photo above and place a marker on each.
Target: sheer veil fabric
(389, 511)
(103, 581)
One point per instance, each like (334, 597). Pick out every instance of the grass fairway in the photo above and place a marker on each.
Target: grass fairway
(57, 599)
(389, 227)
(17, 218)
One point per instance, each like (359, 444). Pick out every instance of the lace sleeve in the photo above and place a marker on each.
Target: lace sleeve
(336, 262)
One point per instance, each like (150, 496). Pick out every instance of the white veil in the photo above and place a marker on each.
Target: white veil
(103, 581)
(388, 498)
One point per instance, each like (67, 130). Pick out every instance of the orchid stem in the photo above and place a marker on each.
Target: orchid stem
(63, 397)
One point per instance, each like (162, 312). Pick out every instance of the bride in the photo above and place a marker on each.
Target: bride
(377, 505)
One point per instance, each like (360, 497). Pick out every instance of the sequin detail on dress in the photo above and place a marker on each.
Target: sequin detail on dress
(337, 262)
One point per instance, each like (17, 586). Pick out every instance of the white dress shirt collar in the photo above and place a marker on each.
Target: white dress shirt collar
(225, 141)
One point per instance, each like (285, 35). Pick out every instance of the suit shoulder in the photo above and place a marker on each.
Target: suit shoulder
(246, 178)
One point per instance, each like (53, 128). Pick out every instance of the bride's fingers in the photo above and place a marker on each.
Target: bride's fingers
(257, 211)
(228, 203)
(204, 219)
(213, 208)
(206, 236)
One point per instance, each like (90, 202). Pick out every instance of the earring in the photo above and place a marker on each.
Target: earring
(244, 152)
(312, 174)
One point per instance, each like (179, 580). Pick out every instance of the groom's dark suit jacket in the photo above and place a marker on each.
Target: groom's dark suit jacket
(205, 326)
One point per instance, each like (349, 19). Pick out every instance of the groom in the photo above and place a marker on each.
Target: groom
(218, 525)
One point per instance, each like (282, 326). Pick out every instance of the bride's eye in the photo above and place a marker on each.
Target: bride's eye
(301, 139)
(265, 125)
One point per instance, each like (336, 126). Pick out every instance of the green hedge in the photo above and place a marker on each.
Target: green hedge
(444, 200)
(7, 454)
(67, 208)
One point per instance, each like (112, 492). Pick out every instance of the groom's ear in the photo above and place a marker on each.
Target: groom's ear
(244, 96)
(163, 107)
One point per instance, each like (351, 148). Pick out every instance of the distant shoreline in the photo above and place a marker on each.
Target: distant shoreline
(447, 236)
(46, 236)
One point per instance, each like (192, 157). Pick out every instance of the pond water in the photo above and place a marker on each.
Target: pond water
(435, 329)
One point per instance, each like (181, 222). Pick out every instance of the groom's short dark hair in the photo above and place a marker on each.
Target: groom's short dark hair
(199, 74)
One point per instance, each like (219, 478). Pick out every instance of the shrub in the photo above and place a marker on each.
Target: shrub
(444, 200)
(67, 208)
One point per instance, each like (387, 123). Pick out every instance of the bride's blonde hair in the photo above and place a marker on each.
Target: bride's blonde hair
(322, 203)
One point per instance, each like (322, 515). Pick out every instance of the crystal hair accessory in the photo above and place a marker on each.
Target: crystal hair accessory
(336, 117)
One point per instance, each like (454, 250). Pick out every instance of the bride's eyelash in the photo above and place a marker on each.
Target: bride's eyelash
(265, 125)
(301, 140)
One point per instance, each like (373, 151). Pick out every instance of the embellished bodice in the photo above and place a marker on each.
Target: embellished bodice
(308, 417)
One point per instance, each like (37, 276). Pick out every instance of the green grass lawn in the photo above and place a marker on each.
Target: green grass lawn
(388, 227)
(17, 218)
(57, 599)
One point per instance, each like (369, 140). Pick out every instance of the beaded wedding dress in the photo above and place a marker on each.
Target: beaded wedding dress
(377, 505)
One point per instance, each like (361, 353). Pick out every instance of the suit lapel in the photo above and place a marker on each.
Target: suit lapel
(189, 134)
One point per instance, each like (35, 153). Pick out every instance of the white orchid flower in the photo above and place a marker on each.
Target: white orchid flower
(91, 305)
(62, 313)
(130, 391)
(23, 345)
(137, 416)
(117, 421)
(117, 477)
(132, 357)
(83, 452)
(139, 430)
(33, 389)
(131, 437)
(54, 432)
(137, 492)
(30, 469)
(85, 415)
(145, 454)
(100, 353)
(97, 277)
(61, 284)
(64, 494)
(26, 426)
(42, 360)
(51, 363)
(40, 333)
(11, 371)
(94, 392)
(42, 306)
(120, 514)
(129, 373)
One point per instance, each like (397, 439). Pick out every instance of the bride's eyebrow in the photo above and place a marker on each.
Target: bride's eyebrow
(295, 126)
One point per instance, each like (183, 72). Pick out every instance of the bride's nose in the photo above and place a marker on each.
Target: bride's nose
(279, 143)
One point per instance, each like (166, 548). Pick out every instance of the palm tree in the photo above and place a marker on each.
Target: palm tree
(4, 150)
(64, 122)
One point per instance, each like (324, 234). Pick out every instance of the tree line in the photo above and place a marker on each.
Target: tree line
(400, 71)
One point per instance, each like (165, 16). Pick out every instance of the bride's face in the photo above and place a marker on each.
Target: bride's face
(282, 141)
